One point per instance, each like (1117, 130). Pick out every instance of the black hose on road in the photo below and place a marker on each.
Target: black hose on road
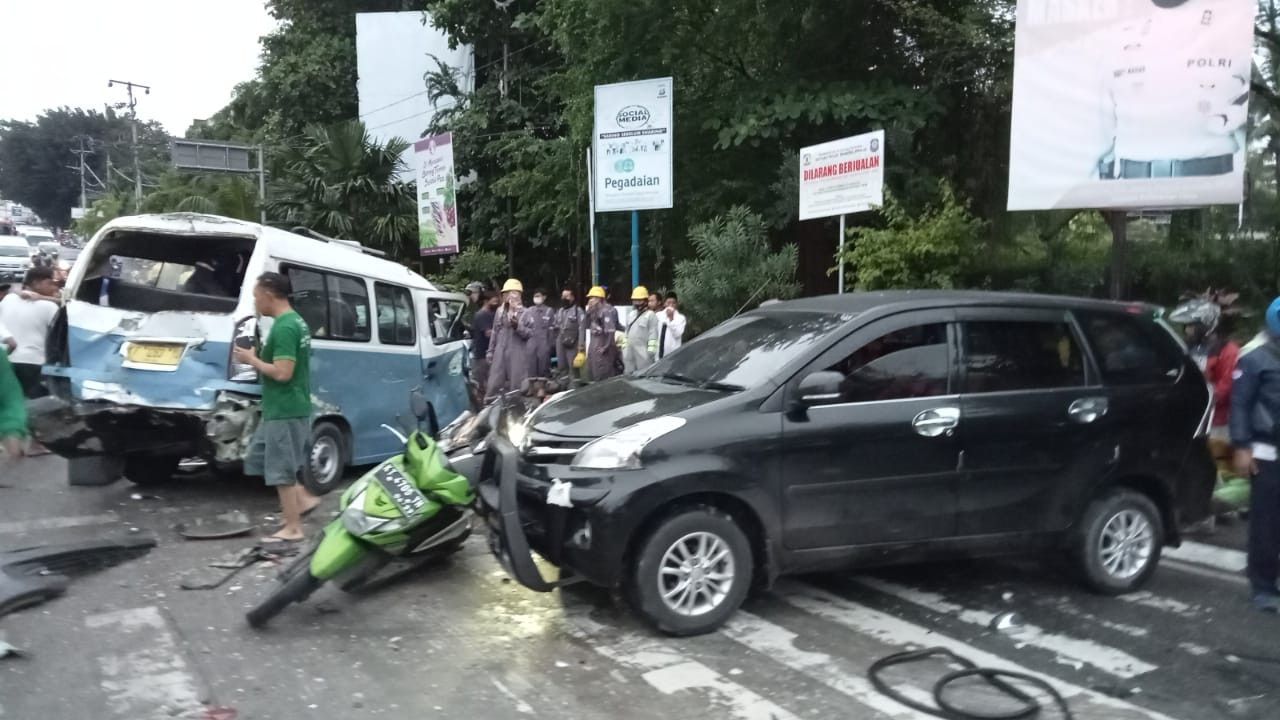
(1030, 707)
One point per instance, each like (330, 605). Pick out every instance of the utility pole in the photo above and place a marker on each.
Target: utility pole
(81, 152)
(133, 124)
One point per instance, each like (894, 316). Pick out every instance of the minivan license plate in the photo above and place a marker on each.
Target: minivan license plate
(402, 492)
(154, 353)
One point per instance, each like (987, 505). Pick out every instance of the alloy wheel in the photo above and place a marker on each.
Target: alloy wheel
(696, 574)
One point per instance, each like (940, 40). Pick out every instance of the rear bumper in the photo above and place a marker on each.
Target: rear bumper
(583, 541)
(8, 275)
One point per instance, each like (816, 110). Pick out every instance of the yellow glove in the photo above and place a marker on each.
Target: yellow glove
(579, 361)
(620, 339)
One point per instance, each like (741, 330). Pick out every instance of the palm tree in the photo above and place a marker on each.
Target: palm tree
(338, 181)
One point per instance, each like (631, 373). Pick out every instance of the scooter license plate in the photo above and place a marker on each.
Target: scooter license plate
(405, 496)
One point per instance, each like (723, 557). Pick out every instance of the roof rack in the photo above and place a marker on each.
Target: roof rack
(300, 230)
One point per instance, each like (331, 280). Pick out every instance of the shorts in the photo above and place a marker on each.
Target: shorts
(278, 451)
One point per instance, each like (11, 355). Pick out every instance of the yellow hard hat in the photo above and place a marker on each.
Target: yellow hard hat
(640, 293)
(513, 285)
(596, 292)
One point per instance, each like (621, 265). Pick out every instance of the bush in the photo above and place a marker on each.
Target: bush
(471, 265)
(937, 249)
(734, 268)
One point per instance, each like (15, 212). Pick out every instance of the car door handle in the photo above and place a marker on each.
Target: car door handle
(937, 422)
(1087, 410)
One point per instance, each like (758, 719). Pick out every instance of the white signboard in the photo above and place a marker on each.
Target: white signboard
(632, 140)
(842, 176)
(1130, 104)
(437, 196)
(77, 213)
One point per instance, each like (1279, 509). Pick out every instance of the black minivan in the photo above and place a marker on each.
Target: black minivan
(857, 430)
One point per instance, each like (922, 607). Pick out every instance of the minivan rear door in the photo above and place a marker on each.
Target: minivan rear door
(878, 464)
(1037, 421)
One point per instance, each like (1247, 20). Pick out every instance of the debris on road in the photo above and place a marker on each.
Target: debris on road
(7, 650)
(226, 525)
(208, 579)
(31, 576)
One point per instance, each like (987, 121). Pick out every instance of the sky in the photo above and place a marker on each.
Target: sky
(192, 54)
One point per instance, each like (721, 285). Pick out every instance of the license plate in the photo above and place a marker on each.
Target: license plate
(405, 496)
(154, 353)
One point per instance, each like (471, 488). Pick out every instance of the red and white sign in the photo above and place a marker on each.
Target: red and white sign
(842, 176)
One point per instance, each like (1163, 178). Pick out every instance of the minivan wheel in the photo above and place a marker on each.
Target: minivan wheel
(1118, 543)
(692, 572)
(326, 459)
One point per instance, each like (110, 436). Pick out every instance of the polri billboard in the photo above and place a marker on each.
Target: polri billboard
(1129, 104)
(632, 145)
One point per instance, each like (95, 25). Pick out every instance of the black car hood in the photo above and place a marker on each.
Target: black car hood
(602, 408)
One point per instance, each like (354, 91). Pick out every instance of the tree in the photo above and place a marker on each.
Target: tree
(473, 265)
(734, 269)
(338, 181)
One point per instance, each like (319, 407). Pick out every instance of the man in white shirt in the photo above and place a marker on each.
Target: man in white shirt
(28, 317)
(671, 332)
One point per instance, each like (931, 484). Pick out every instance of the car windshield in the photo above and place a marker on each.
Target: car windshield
(745, 352)
(10, 251)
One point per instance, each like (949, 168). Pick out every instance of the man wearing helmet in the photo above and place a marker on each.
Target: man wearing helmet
(508, 351)
(1208, 335)
(1255, 408)
(642, 333)
(602, 327)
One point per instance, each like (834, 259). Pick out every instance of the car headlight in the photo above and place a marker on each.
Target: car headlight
(517, 431)
(621, 450)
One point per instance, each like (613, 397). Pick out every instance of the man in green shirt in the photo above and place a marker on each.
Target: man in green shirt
(278, 450)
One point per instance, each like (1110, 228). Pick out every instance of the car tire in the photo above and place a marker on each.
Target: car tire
(1118, 542)
(700, 549)
(327, 458)
(150, 470)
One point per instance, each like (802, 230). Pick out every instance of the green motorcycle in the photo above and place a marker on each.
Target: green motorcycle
(409, 511)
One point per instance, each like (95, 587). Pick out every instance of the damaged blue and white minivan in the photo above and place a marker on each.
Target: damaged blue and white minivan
(139, 358)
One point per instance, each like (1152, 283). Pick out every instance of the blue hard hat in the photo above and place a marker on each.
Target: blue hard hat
(1273, 318)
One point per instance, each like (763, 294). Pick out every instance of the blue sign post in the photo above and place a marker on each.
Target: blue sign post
(635, 248)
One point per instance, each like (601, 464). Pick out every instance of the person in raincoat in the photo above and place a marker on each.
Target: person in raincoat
(538, 322)
(602, 345)
(642, 334)
(568, 333)
(508, 349)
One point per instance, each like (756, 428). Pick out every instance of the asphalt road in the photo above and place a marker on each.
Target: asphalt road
(462, 641)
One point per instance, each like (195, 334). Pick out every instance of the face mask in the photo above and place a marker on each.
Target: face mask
(538, 300)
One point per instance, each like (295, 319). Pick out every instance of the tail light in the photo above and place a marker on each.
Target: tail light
(246, 331)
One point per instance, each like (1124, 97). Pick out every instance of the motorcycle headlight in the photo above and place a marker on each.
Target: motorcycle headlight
(621, 450)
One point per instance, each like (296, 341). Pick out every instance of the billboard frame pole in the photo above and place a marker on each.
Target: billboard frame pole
(840, 257)
(262, 189)
(635, 249)
(591, 221)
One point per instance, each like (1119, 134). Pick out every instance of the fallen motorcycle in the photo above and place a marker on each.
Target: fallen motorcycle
(411, 510)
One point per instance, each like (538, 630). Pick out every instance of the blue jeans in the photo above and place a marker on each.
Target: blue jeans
(1264, 528)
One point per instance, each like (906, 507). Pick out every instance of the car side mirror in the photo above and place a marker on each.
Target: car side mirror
(820, 388)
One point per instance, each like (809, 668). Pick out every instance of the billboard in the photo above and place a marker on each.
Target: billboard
(632, 145)
(842, 176)
(394, 51)
(437, 196)
(1129, 104)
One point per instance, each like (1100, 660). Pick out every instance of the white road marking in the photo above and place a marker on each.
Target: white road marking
(778, 643)
(1064, 606)
(1209, 555)
(897, 632)
(670, 671)
(1071, 651)
(149, 680)
(55, 523)
(522, 707)
(1157, 602)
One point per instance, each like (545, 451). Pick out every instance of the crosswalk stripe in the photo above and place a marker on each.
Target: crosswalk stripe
(56, 523)
(1071, 651)
(147, 679)
(1219, 558)
(897, 633)
(778, 643)
(1165, 604)
(670, 671)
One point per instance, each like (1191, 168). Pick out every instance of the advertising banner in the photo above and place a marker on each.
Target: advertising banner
(1129, 104)
(437, 196)
(632, 145)
(842, 176)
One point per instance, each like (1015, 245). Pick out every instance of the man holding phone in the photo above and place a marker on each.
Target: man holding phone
(278, 450)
